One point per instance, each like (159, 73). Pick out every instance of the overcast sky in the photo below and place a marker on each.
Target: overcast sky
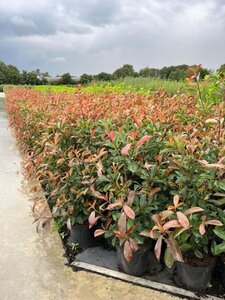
(90, 36)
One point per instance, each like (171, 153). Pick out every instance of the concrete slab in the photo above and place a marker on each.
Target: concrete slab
(31, 264)
(103, 261)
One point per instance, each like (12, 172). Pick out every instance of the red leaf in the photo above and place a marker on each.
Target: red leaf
(183, 220)
(68, 223)
(175, 249)
(99, 232)
(171, 224)
(129, 212)
(131, 229)
(156, 219)
(117, 203)
(130, 198)
(136, 120)
(147, 166)
(127, 251)
(111, 134)
(133, 135)
(165, 214)
(193, 210)
(122, 223)
(154, 191)
(92, 219)
(176, 199)
(158, 247)
(120, 234)
(202, 229)
(125, 149)
(97, 194)
(213, 222)
(143, 140)
(133, 244)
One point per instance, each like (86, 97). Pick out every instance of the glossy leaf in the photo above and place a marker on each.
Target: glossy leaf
(99, 232)
(130, 198)
(122, 223)
(127, 251)
(175, 249)
(219, 249)
(133, 244)
(220, 232)
(171, 224)
(183, 220)
(213, 222)
(92, 219)
(202, 229)
(143, 140)
(158, 247)
(129, 212)
(176, 200)
(193, 210)
(125, 150)
(168, 258)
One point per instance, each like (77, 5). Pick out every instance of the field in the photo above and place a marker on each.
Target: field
(138, 85)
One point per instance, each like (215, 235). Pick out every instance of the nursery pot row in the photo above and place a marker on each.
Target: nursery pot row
(144, 260)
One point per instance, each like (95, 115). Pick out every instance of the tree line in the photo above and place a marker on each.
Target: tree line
(9, 74)
(178, 73)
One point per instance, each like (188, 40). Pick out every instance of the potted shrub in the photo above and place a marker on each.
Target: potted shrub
(188, 239)
(131, 250)
(123, 227)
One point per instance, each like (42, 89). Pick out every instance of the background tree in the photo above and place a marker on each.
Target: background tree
(66, 79)
(3, 73)
(124, 71)
(13, 75)
(29, 78)
(149, 72)
(103, 76)
(221, 69)
(85, 78)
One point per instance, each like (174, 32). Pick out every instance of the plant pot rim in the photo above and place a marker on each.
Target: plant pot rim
(213, 262)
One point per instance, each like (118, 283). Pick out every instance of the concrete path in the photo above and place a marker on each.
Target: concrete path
(31, 264)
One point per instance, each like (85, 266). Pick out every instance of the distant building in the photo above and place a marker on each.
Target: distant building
(51, 79)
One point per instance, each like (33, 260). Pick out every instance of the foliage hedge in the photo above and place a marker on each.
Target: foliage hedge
(94, 152)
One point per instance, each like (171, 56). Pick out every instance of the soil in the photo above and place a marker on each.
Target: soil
(192, 260)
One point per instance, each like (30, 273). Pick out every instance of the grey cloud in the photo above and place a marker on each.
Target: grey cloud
(95, 35)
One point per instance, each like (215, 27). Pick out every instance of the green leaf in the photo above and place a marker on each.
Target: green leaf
(103, 179)
(132, 166)
(220, 232)
(185, 247)
(218, 249)
(168, 258)
(221, 184)
(198, 253)
(218, 202)
(108, 234)
(139, 239)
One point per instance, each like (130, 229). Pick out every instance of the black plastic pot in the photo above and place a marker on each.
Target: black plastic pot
(193, 278)
(83, 236)
(137, 266)
(223, 273)
(153, 265)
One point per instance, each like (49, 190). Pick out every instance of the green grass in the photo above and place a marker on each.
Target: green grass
(138, 85)
(55, 88)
